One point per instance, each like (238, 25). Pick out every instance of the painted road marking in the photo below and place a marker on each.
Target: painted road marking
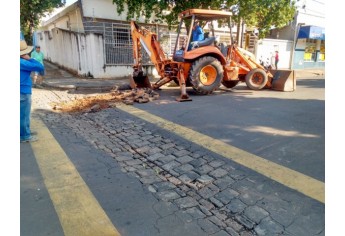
(77, 208)
(302, 183)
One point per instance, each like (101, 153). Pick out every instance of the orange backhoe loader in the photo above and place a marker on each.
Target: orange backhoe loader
(203, 65)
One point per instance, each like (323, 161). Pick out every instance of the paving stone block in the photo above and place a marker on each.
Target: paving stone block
(221, 233)
(146, 137)
(245, 221)
(166, 159)
(236, 206)
(216, 221)
(208, 205)
(208, 226)
(133, 162)
(231, 231)
(269, 227)
(218, 173)
(233, 224)
(180, 192)
(204, 169)
(205, 179)
(186, 218)
(163, 208)
(197, 162)
(139, 143)
(174, 180)
(168, 195)
(208, 192)
(155, 156)
(150, 179)
(216, 163)
(195, 213)
(186, 202)
(121, 157)
(153, 151)
(167, 146)
(216, 202)
(184, 168)
(250, 198)
(146, 172)
(193, 195)
(226, 195)
(184, 159)
(171, 165)
(255, 213)
(163, 186)
(181, 153)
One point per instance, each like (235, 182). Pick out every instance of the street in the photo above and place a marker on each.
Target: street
(237, 162)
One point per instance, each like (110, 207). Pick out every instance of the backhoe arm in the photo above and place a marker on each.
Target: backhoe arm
(148, 40)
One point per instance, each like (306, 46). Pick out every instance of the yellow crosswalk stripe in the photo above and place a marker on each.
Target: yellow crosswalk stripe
(78, 210)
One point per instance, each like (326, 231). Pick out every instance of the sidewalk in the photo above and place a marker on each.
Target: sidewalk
(60, 79)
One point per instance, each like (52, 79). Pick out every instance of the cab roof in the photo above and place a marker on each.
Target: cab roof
(203, 14)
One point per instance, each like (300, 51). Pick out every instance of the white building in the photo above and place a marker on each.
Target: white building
(90, 38)
(307, 33)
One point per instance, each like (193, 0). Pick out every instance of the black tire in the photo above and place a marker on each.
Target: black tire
(256, 79)
(230, 84)
(206, 74)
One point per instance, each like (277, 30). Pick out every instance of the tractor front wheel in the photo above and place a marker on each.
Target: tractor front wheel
(256, 79)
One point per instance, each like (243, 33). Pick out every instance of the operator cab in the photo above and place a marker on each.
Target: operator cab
(206, 20)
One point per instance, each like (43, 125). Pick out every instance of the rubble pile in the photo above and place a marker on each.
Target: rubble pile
(109, 100)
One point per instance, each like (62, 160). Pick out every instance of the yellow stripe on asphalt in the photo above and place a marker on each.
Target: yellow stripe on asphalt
(77, 208)
(302, 183)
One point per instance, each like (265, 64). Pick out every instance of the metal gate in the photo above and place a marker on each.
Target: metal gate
(118, 45)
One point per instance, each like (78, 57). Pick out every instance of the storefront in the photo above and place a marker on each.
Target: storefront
(309, 48)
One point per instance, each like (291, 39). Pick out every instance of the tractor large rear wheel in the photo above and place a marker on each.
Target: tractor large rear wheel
(256, 79)
(206, 74)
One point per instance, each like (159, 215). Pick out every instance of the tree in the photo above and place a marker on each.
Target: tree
(31, 12)
(262, 14)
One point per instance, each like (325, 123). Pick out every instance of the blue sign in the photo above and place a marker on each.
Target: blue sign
(311, 32)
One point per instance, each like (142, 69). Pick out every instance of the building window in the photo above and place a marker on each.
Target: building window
(310, 50)
(122, 36)
(322, 51)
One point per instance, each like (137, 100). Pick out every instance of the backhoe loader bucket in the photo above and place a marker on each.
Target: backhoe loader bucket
(283, 80)
(140, 81)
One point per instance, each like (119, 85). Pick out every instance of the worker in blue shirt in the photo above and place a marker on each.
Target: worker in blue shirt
(197, 33)
(27, 65)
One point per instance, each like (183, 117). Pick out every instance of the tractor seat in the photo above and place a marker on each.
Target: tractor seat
(205, 42)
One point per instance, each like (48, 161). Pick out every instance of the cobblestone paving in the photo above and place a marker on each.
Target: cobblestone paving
(221, 196)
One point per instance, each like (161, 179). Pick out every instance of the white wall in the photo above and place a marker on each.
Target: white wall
(81, 53)
(267, 47)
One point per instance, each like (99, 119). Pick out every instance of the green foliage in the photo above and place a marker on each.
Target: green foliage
(31, 11)
(262, 14)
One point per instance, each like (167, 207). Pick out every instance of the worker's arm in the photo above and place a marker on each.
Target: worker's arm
(30, 65)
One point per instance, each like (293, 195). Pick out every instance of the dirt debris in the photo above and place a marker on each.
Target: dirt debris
(99, 102)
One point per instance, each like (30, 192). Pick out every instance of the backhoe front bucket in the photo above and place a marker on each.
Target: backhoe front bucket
(283, 80)
(140, 81)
